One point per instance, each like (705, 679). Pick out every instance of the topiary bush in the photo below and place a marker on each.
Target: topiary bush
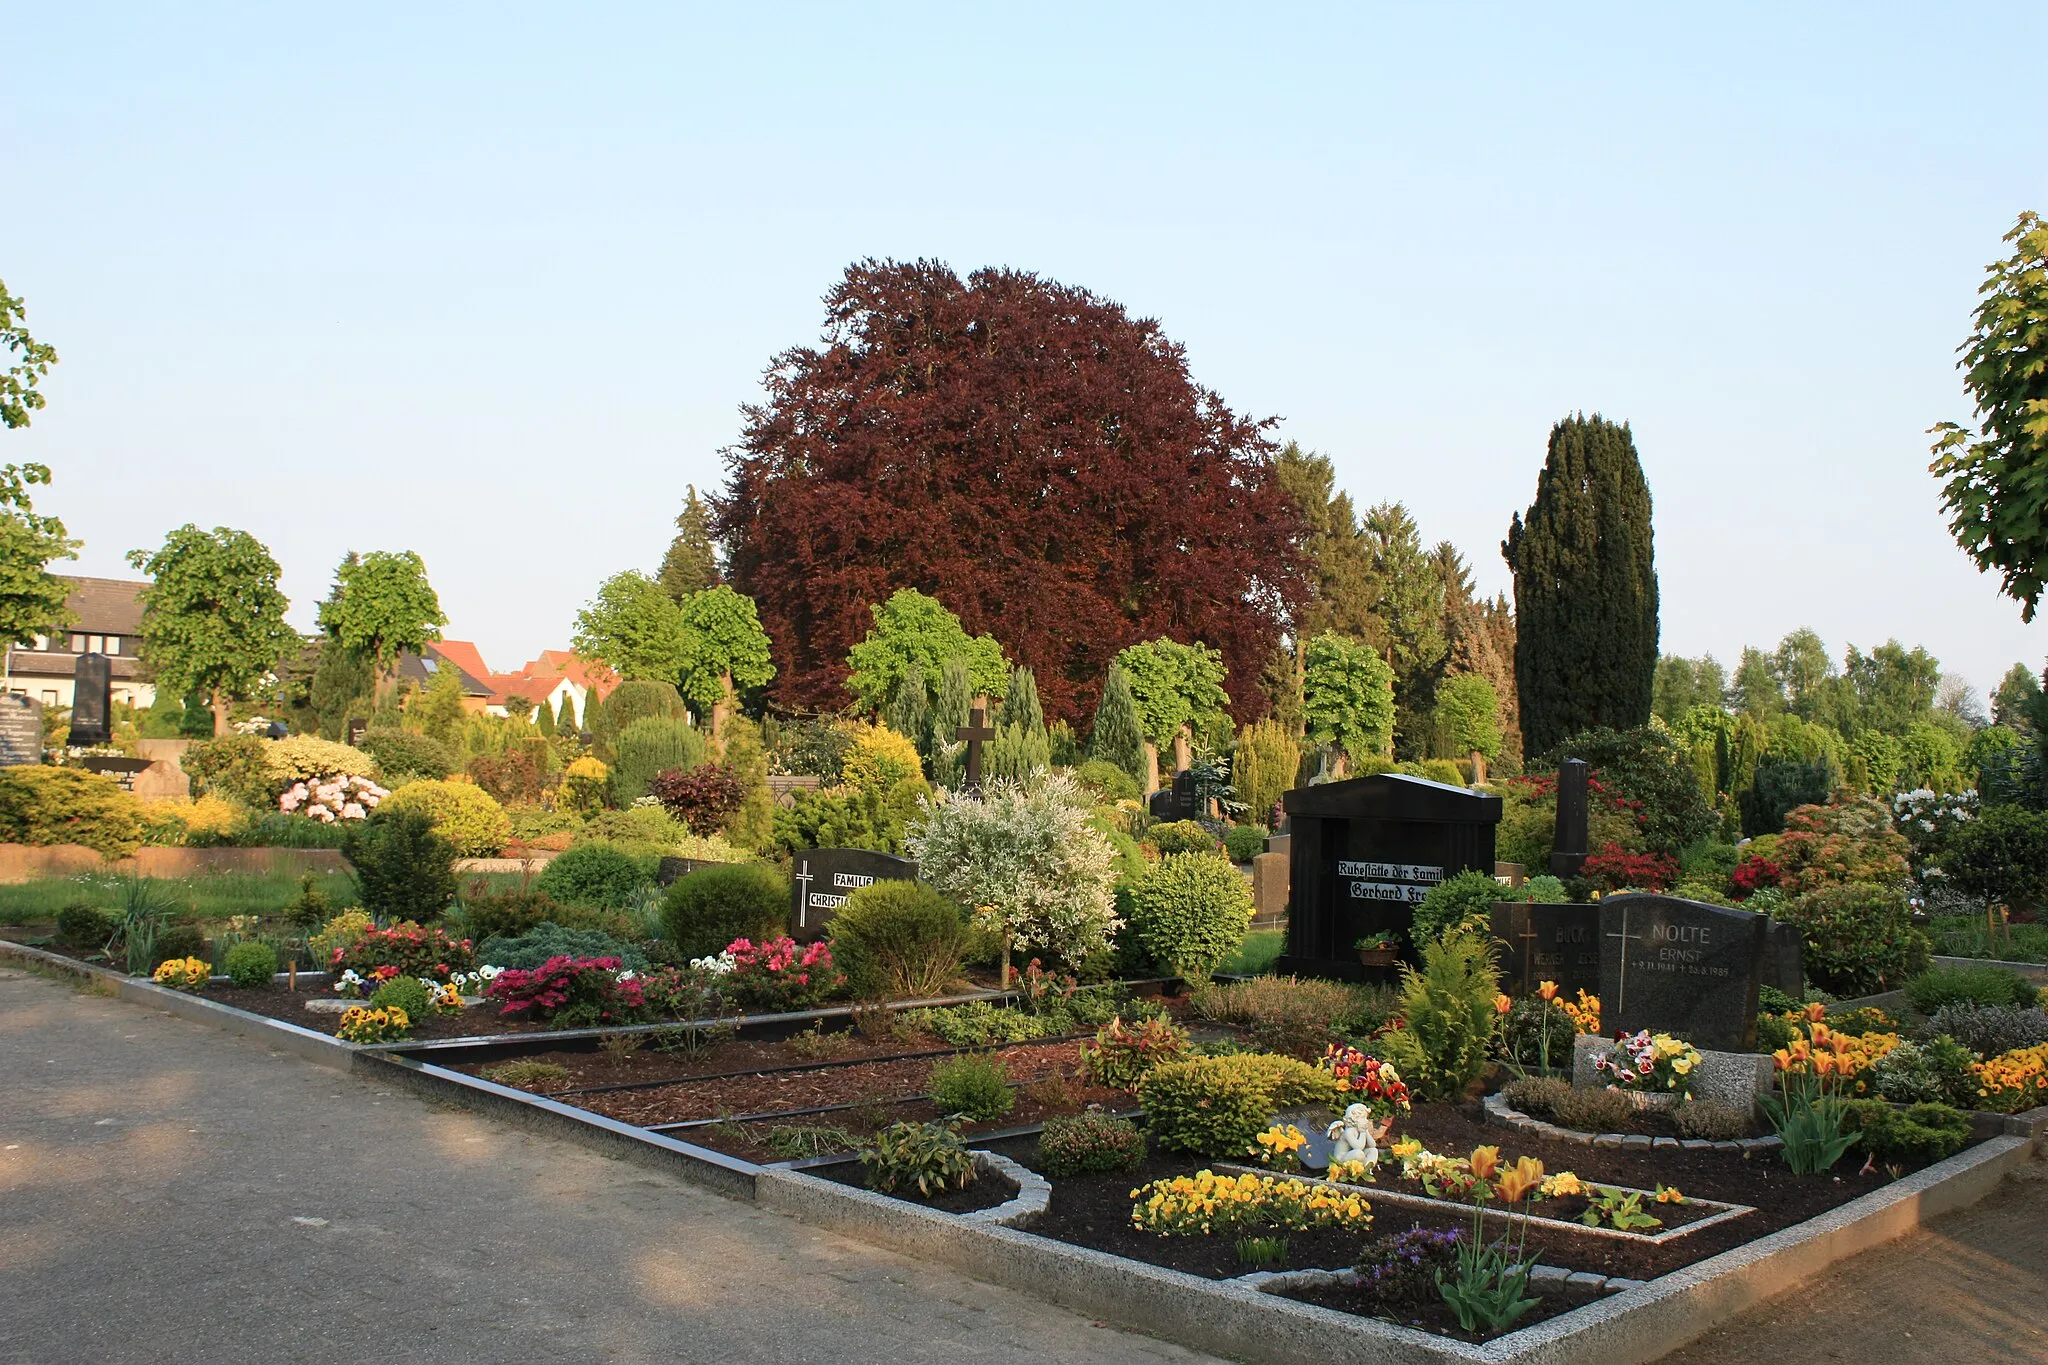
(1940, 986)
(464, 814)
(232, 767)
(1860, 938)
(405, 993)
(404, 870)
(1217, 1106)
(44, 805)
(709, 908)
(1244, 842)
(1918, 1134)
(973, 1088)
(1089, 1143)
(1181, 836)
(250, 964)
(532, 949)
(1464, 899)
(898, 938)
(1190, 911)
(401, 751)
(598, 875)
(648, 748)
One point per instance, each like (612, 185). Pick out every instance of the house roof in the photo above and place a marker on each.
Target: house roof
(464, 655)
(104, 606)
(413, 668)
(33, 663)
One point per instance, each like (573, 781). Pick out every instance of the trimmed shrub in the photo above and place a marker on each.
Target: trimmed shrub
(648, 748)
(85, 927)
(1920, 1133)
(464, 814)
(598, 875)
(405, 993)
(899, 938)
(1860, 938)
(1110, 783)
(302, 758)
(1989, 1030)
(490, 914)
(1464, 899)
(401, 751)
(1182, 836)
(250, 964)
(1191, 910)
(974, 1088)
(706, 910)
(232, 767)
(1593, 1111)
(1442, 770)
(1711, 1121)
(43, 805)
(1244, 842)
(531, 950)
(1535, 1094)
(404, 870)
(633, 701)
(1089, 1143)
(1285, 1015)
(1940, 986)
(1217, 1106)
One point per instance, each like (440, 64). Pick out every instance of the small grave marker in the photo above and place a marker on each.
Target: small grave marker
(825, 877)
(21, 731)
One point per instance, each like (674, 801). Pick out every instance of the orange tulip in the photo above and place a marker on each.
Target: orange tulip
(1485, 1161)
(1501, 1004)
(1547, 989)
(1815, 1012)
(1524, 1176)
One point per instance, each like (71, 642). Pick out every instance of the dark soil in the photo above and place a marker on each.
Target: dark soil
(983, 1192)
(1418, 1313)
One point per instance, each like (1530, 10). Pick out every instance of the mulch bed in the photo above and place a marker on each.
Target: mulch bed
(983, 1192)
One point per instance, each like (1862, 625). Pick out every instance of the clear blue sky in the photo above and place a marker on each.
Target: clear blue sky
(492, 281)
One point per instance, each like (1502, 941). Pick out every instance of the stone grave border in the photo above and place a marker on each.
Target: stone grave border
(1232, 1317)
(1499, 1111)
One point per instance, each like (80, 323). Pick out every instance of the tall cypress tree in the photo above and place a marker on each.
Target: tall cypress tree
(691, 564)
(1585, 587)
(565, 719)
(1020, 706)
(545, 719)
(956, 700)
(1119, 737)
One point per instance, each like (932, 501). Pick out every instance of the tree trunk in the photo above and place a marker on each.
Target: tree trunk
(1183, 755)
(721, 712)
(1478, 768)
(1151, 767)
(1004, 982)
(220, 713)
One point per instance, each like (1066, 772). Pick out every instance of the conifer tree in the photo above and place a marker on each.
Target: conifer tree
(909, 712)
(691, 564)
(565, 719)
(1585, 587)
(1118, 736)
(1020, 706)
(544, 719)
(956, 700)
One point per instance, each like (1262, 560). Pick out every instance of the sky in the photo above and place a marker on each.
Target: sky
(493, 281)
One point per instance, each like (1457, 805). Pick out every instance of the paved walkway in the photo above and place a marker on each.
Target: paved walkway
(169, 1192)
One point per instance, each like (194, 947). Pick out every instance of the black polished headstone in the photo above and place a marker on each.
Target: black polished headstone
(1682, 967)
(1568, 846)
(1785, 962)
(671, 870)
(92, 700)
(824, 877)
(21, 731)
(1361, 854)
(1558, 943)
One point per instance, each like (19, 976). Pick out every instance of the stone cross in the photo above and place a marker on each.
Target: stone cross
(1568, 849)
(975, 731)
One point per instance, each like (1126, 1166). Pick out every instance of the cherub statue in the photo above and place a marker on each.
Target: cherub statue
(1355, 1137)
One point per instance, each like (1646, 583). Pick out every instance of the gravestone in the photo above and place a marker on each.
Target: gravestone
(1176, 802)
(671, 870)
(92, 700)
(1568, 846)
(162, 780)
(21, 731)
(1559, 943)
(1681, 967)
(825, 877)
(358, 727)
(976, 732)
(1785, 961)
(1363, 851)
(1269, 887)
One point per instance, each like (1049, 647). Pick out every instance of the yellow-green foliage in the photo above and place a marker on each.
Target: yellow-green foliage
(878, 759)
(1216, 1106)
(41, 805)
(463, 813)
(198, 824)
(339, 932)
(583, 784)
(1449, 1012)
(308, 756)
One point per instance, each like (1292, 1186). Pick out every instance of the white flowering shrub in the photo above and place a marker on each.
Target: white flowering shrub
(1930, 819)
(1024, 858)
(328, 799)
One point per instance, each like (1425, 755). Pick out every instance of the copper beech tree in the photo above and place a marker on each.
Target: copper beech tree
(1022, 450)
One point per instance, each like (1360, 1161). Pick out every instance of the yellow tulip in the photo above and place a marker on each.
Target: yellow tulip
(1501, 1004)
(1547, 989)
(1485, 1161)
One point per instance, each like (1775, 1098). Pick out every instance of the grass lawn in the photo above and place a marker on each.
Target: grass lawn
(1256, 954)
(208, 897)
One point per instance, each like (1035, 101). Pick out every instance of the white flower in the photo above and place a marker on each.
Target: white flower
(624, 975)
(489, 973)
(352, 811)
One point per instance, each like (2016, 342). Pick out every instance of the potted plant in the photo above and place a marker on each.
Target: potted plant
(1380, 949)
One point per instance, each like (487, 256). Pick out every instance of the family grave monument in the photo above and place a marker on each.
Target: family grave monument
(825, 877)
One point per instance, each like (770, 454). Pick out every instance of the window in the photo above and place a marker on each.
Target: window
(42, 643)
(113, 644)
(78, 644)
(49, 696)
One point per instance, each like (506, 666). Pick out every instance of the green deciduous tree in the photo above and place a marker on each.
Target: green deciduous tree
(634, 628)
(691, 564)
(1895, 686)
(1681, 684)
(1178, 690)
(726, 653)
(1348, 697)
(1468, 715)
(1757, 690)
(1119, 735)
(29, 361)
(213, 615)
(385, 606)
(911, 628)
(2012, 704)
(1995, 479)
(31, 597)
(1585, 587)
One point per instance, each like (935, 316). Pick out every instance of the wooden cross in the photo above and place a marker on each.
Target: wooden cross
(976, 730)
(1621, 978)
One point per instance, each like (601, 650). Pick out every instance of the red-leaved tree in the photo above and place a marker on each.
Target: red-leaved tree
(1023, 451)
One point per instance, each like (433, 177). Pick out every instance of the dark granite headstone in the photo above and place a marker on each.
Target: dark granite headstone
(825, 877)
(1682, 967)
(1785, 961)
(1559, 943)
(92, 700)
(1362, 852)
(21, 731)
(357, 728)
(1568, 846)
(1176, 802)
(671, 870)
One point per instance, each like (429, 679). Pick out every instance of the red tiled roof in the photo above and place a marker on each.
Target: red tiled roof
(464, 655)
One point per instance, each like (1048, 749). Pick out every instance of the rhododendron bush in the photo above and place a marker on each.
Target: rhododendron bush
(408, 949)
(328, 799)
(778, 975)
(573, 992)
